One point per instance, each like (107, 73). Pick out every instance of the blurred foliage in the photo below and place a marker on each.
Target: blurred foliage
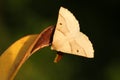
(98, 19)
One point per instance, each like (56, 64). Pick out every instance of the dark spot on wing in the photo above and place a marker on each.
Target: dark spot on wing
(77, 50)
(60, 23)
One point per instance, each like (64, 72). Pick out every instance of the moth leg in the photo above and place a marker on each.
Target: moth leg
(58, 57)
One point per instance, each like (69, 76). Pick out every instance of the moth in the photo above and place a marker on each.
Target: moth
(68, 38)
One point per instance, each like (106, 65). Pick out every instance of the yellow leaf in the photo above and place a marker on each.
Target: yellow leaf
(13, 58)
(13, 55)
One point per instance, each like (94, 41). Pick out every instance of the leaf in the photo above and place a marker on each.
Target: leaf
(13, 58)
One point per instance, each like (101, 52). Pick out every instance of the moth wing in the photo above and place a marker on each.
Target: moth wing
(66, 26)
(82, 46)
(67, 23)
(60, 42)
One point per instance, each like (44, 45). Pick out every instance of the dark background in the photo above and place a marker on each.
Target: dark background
(98, 19)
